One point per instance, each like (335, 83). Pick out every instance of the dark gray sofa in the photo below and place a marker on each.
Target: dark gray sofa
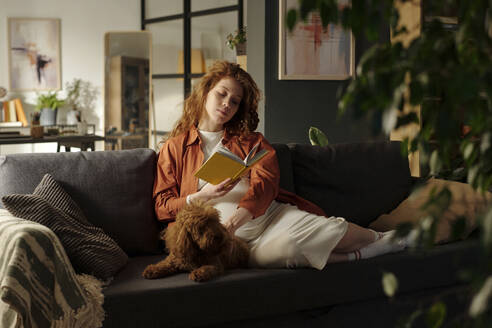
(358, 181)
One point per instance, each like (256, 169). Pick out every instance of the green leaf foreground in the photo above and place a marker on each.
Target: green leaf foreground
(317, 137)
(449, 75)
(390, 284)
(435, 315)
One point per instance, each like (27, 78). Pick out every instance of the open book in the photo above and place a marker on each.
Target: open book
(224, 164)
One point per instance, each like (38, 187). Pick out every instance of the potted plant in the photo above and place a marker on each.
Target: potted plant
(238, 41)
(446, 67)
(48, 105)
(81, 96)
(73, 100)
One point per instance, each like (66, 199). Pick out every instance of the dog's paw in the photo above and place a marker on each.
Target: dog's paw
(204, 273)
(151, 272)
(199, 276)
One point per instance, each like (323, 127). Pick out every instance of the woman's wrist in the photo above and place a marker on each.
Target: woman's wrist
(197, 196)
(240, 217)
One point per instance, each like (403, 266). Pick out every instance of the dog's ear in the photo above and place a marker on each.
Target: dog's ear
(184, 245)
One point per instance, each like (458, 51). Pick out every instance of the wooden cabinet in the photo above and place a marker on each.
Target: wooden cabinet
(127, 115)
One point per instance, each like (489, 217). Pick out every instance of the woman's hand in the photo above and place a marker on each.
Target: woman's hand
(240, 217)
(210, 191)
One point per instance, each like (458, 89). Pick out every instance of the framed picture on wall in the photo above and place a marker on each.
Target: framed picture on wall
(34, 54)
(311, 52)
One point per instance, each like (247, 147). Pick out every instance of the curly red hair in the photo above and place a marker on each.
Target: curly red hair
(243, 122)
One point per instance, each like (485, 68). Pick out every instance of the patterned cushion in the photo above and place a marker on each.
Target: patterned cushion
(88, 247)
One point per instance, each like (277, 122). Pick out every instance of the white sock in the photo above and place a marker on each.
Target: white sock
(381, 246)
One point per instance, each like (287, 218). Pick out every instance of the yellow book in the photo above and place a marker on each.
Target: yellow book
(19, 110)
(224, 164)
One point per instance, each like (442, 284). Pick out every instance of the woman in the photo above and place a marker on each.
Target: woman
(282, 229)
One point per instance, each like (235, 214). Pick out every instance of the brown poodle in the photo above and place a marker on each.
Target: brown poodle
(198, 243)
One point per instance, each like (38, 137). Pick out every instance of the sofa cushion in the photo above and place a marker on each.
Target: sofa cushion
(465, 202)
(176, 301)
(113, 189)
(90, 250)
(357, 181)
(285, 165)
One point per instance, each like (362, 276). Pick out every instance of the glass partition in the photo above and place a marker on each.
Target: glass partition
(159, 8)
(209, 33)
(197, 5)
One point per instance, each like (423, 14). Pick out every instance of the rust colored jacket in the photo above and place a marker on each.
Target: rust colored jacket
(181, 156)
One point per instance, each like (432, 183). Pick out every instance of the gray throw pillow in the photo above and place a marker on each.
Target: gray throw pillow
(90, 250)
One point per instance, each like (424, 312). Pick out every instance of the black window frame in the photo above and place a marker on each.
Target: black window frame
(186, 17)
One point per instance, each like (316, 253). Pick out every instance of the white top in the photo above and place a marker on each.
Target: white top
(210, 141)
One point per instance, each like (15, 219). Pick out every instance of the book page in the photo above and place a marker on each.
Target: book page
(246, 160)
(259, 155)
(226, 152)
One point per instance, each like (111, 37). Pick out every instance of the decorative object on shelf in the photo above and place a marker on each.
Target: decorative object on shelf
(238, 41)
(197, 62)
(82, 127)
(12, 113)
(36, 129)
(3, 92)
(80, 97)
(48, 104)
(34, 45)
(313, 52)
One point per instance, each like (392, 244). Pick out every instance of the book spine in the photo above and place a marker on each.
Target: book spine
(21, 115)
(240, 173)
(12, 114)
(1, 112)
(6, 111)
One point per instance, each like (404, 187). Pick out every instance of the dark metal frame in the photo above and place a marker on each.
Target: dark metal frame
(186, 16)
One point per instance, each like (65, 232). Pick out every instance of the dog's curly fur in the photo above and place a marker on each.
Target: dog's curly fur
(198, 243)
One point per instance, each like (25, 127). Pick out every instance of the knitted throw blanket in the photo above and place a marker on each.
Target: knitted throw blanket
(39, 287)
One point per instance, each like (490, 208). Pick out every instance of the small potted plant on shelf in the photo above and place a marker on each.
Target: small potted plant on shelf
(48, 105)
(238, 41)
(36, 129)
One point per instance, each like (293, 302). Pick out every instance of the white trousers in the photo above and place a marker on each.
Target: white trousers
(285, 236)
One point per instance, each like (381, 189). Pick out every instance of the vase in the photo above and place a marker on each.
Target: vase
(48, 116)
(241, 49)
(82, 128)
(73, 117)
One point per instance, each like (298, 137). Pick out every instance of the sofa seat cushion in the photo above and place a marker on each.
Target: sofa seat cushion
(176, 301)
(113, 189)
(356, 181)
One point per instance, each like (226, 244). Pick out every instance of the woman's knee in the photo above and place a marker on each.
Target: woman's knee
(278, 253)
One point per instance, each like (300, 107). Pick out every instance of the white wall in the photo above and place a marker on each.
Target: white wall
(83, 25)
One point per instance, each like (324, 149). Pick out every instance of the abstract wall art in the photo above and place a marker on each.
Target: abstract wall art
(34, 54)
(311, 52)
